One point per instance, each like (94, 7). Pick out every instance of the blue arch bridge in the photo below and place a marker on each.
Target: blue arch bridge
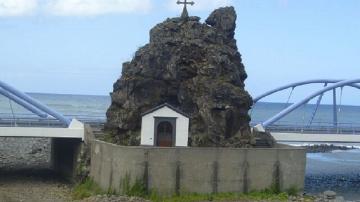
(332, 131)
(49, 123)
(66, 133)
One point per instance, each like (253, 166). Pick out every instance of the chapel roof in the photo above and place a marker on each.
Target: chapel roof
(165, 105)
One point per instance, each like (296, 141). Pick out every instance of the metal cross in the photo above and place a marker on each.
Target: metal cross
(185, 12)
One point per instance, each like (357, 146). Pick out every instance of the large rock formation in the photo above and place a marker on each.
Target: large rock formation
(193, 66)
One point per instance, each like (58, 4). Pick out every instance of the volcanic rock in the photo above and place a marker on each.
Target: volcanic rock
(195, 67)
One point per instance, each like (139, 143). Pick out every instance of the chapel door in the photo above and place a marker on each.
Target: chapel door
(165, 132)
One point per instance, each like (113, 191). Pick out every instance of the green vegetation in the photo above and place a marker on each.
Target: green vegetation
(292, 191)
(252, 196)
(89, 187)
(138, 189)
(271, 194)
(86, 189)
(107, 137)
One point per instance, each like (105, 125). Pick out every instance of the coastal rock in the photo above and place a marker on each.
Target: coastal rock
(330, 194)
(325, 148)
(195, 67)
(224, 20)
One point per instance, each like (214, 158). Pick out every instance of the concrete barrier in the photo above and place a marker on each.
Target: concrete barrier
(197, 170)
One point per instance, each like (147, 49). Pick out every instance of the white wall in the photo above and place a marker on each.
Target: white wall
(148, 122)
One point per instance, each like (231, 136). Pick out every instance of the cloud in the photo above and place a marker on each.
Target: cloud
(96, 7)
(201, 5)
(17, 7)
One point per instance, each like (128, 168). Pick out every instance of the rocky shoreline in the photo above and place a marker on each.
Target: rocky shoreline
(347, 185)
(323, 148)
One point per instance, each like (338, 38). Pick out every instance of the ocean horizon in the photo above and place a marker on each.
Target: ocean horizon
(95, 106)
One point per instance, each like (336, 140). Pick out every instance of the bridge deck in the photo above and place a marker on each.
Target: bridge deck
(35, 127)
(319, 133)
(41, 128)
(41, 132)
(304, 137)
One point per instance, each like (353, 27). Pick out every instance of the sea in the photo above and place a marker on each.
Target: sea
(74, 106)
(338, 170)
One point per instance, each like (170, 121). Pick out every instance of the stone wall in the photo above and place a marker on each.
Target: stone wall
(201, 170)
(58, 154)
(24, 153)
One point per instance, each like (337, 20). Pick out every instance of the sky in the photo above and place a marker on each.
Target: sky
(78, 46)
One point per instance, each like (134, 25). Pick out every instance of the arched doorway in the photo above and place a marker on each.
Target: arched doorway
(165, 132)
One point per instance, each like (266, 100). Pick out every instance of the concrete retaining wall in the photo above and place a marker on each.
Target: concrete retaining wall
(201, 170)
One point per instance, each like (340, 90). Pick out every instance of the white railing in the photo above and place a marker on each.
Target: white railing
(314, 128)
(29, 120)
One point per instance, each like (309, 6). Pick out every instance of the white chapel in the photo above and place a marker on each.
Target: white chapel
(164, 126)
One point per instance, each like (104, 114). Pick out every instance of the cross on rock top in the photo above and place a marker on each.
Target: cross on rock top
(185, 13)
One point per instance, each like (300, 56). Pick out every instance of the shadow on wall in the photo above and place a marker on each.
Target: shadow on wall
(200, 170)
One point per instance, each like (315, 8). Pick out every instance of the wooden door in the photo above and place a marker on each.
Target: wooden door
(165, 133)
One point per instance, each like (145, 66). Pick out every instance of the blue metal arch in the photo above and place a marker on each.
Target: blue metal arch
(31, 104)
(23, 103)
(301, 83)
(286, 111)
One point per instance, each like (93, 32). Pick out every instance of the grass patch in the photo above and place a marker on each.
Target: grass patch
(107, 137)
(89, 188)
(86, 189)
(252, 196)
(292, 191)
(136, 189)
(265, 195)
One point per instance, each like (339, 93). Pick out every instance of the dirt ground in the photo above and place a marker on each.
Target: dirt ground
(44, 186)
(30, 186)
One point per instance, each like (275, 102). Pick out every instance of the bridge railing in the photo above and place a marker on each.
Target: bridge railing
(30, 120)
(315, 128)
